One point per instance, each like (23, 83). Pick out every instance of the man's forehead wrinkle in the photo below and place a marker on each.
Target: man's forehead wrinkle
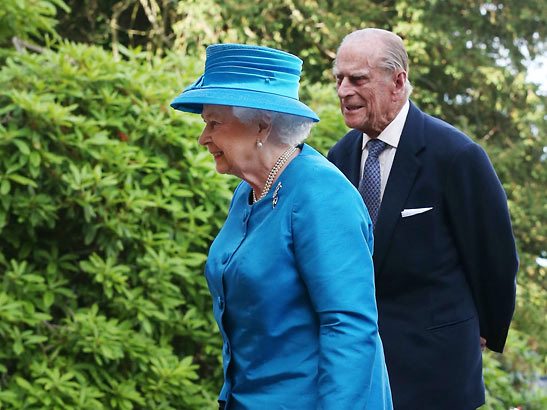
(349, 71)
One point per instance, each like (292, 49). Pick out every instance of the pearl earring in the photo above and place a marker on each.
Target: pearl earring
(259, 144)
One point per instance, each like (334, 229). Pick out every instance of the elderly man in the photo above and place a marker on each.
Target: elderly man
(444, 254)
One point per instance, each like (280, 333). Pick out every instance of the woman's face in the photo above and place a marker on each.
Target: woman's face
(231, 142)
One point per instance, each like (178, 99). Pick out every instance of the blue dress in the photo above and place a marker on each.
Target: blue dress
(292, 282)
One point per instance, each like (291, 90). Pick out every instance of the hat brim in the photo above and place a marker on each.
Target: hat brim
(192, 101)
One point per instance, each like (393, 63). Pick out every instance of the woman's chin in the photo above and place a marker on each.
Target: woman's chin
(222, 169)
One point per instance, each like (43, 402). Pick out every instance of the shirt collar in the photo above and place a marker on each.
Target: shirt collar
(392, 133)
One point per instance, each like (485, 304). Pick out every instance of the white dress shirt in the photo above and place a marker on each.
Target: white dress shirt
(391, 136)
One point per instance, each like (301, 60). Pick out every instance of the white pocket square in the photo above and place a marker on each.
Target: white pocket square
(414, 211)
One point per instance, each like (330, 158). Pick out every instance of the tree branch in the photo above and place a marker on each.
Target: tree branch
(21, 44)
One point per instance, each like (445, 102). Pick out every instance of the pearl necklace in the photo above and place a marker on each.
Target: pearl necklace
(271, 176)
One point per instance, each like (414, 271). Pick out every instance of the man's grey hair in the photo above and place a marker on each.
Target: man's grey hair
(287, 129)
(393, 55)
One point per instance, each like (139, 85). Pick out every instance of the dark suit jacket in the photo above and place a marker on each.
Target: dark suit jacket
(445, 276)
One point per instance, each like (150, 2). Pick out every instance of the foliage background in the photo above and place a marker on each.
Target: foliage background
(108, 204)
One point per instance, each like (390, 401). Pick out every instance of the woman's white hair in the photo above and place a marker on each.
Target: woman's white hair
(287, 129)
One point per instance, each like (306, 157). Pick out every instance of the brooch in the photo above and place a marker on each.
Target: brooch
(275, 198)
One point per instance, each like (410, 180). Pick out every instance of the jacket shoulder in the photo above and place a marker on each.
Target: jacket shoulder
(345, 143)
(443, 134)
(441, 139)
(320, 173)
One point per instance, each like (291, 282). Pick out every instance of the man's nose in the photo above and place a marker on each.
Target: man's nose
(344, 88)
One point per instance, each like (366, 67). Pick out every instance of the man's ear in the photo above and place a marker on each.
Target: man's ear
(399, 80)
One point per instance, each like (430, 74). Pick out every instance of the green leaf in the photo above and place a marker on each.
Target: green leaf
(23, 383)
(22, 180)
(150, 179)
(17, 347)
(48, 299)
(23, 147)
(35, 159)
(5, 187)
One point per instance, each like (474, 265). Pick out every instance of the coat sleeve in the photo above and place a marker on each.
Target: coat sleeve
(480, 219)
(333, 242)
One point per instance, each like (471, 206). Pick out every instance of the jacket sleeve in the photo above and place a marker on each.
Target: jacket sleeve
(480, 219)
(333, 243)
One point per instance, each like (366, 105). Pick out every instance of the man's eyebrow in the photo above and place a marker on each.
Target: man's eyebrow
(354, 74)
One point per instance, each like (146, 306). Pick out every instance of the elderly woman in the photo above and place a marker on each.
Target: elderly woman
(291, 297)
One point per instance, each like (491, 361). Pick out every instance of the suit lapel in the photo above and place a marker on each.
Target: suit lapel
(353, 173)
(406, 165)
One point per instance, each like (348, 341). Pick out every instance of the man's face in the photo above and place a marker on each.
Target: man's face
(364, 89)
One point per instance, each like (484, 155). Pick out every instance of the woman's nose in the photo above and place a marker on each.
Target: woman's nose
(204, 137)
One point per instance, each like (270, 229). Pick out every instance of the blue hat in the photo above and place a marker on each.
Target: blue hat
(247, 76)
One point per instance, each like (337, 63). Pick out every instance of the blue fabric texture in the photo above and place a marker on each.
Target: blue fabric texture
(292, 282)
(247, 76)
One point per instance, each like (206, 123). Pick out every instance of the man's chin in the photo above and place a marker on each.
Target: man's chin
(352, 122)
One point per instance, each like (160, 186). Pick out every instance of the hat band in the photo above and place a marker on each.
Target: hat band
(260, 63)
(251, 82)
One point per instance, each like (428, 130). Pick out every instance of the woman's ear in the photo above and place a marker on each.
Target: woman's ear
(264, 126)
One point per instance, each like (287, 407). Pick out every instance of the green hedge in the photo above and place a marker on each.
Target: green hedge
(107, 209)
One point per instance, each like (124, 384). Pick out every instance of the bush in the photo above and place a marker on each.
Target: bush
(107, 209)
(28, 18)
(512, 379)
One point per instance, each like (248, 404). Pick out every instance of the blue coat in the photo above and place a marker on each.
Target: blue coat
(444, 276)
(293, 295)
